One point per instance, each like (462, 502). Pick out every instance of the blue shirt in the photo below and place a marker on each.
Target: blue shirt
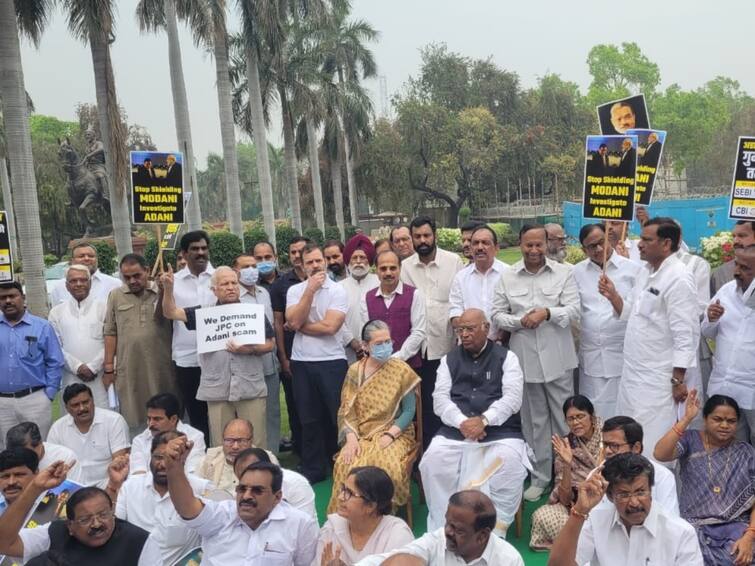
(30, 355)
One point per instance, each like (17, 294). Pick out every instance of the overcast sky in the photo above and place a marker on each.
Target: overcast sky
(691, 41)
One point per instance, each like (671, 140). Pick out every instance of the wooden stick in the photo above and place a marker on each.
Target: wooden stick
(606, 243)
(159, 258)
(624, 232)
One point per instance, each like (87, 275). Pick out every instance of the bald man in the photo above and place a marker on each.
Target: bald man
(556, 239)
(477, 397)
(467, 536)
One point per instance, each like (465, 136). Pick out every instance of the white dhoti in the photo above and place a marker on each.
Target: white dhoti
(602, 391)
(497, 468)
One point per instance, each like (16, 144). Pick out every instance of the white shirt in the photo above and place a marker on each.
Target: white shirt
(298, 493)
(189, 291)
(37, 540)
(94, 449)
(545, 352)
(287, 537)
(55, 453)
(472, 289)
(434, 281)
(734, 357)
(330, 297)
(601, 344)
(663, 491)
(700, 270)
(101, 286)
(661, 540)
(79, 330)
(431, 547)
(499, 411)
(414, 341)
(141, 449)
(141, 505)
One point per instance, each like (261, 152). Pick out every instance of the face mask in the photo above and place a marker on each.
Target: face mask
(359, 270)
(249, 276)
(381, 352)
(266, 267)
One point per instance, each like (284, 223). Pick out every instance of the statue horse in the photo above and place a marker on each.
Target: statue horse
(83, 189)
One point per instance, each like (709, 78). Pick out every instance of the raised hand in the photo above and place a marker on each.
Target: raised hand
(692, 406)
(715, 311)
(117, 471)
(606, 287)
(563, 449)
(177, 450)
(166, 279)
(331, 555)
(590, 493)
(52, 476)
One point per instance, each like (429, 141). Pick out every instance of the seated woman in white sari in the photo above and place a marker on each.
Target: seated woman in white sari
(362, 525)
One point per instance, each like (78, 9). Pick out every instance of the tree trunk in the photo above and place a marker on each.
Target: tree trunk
(8, 203)
(335, 176)
(108, 115)
(289, 160)
(18, 143)
(314, 170)
(352, 182)
(260, 143)
(227, 133)
(453, 215)
(181, 113)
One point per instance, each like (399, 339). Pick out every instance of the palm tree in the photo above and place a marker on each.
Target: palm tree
(28, 17)
(154, 15)
(92, 23)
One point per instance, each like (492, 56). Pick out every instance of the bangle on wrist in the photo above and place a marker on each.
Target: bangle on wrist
(108, 371)
(679, 432)
(547, 314)
(574, 513)
(389, 433)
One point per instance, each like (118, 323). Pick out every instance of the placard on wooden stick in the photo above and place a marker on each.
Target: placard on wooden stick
(742, 200)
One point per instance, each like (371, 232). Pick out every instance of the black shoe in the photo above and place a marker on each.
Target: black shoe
(285, 445)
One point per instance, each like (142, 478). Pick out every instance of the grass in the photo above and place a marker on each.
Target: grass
(509, 255)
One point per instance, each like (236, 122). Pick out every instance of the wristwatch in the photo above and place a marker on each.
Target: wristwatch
(484, 420)
(677, 381)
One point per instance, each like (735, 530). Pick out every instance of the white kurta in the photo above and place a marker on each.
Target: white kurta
(79, 330)
(101, 286)
(352, 326)
(662, 333)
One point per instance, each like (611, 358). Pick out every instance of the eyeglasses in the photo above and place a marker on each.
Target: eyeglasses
(557, 239)
(577, 418)
(593, 247)
(255, 490)
(624, 496)
(345, 493)
(459, 330)
(614, 446)
(102, 517)
(232, 441)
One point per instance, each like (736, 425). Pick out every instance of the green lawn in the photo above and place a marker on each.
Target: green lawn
(509, 255)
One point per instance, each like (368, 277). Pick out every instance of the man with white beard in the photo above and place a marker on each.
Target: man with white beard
(359, 255)
(556, 242)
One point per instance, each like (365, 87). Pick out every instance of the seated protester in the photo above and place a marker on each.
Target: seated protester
(482, 430)
(27, 435)
(376, 415)
(576, 455)
(162, 416)
(258, 529)
(466, 538)
(217, 465)
(363, 524)
(90, 536)
(18, 466)
(95, 435)
(633, 531)
(233, 380)
(717, 477)
(624, 434)
(296, 489)
(143, 500)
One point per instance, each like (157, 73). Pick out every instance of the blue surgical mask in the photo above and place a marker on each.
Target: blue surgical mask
(382, 352)
(249, 276)
(267, 267)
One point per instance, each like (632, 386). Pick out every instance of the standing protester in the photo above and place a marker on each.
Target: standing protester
(401, 306)
(466, 239)
(743, 235)
(431, 271)
(246, 267)
(316, 310)
(556, 242)
(401, 242)
(601, 340)
(284, 335)
(267, 263)
(137, 341)
(78, 322)
(537, 301)
(102, 284)
(662, 334)
(192, 287)
(731, 323)
(334, 260)
(31, 363)
(232, 380)
(359, 255)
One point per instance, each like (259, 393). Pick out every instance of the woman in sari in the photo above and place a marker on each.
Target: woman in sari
(577, 454)
(717, 474)
(363, 524)
(375, 417)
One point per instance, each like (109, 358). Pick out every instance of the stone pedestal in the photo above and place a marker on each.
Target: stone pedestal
(138, 243)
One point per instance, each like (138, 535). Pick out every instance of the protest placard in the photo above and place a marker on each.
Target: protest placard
(170, 237)
(241, 322)
(157, 187)
(6, 259)
(742, 202)
(609, 185)
(650, 145)
(618, 116)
